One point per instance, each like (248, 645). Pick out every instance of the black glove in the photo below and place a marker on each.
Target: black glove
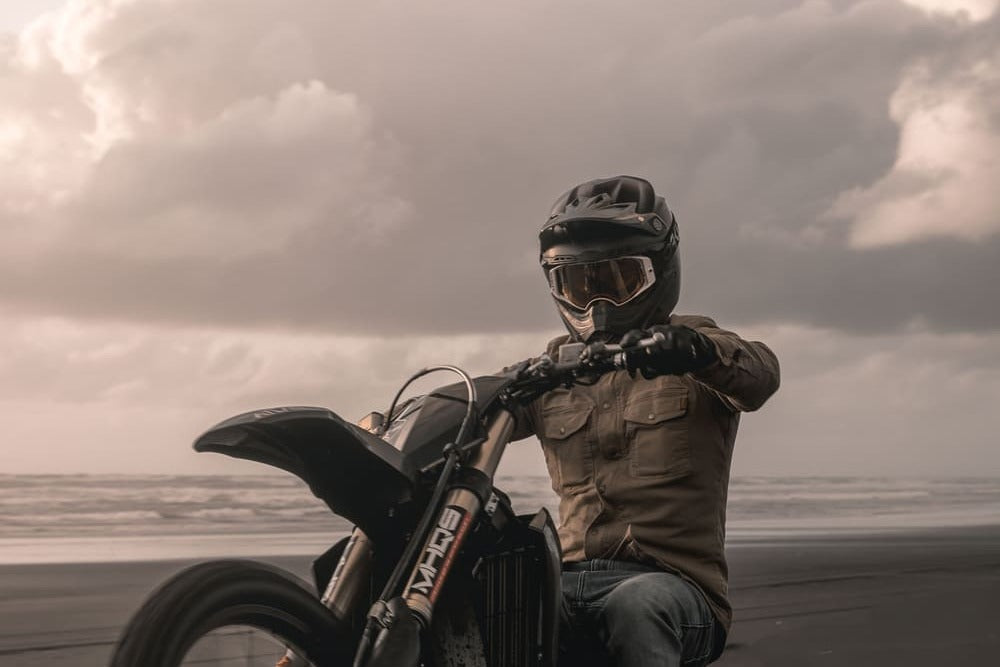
(681, 350)
(515, 370)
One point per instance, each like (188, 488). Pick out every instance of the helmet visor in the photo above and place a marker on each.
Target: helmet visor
(618, 280)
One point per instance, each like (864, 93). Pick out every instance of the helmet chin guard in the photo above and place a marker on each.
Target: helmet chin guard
(601, 321)
(596, 235)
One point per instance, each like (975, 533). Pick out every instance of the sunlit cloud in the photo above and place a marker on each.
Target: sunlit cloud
(973, 10)
(943, 182)
(129, 129)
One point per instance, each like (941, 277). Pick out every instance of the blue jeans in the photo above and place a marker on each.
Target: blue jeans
(633, 615)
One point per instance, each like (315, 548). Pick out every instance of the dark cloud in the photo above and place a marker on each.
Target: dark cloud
(385, 168)
(944, 285)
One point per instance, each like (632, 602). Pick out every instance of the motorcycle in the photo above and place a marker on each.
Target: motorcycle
(438, 570)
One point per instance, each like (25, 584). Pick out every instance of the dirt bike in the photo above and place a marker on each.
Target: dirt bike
(438, 571)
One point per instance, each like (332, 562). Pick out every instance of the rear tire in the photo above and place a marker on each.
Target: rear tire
(217, 594)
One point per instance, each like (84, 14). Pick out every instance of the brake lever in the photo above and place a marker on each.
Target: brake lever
(543, 365)
(612, 355)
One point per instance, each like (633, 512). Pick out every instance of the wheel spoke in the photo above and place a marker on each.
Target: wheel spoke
(240, 645)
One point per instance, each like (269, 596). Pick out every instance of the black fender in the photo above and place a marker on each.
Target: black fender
(356, 473)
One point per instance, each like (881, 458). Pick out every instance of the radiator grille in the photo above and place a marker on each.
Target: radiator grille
(510, 610)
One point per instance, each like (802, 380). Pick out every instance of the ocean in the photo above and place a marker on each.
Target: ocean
(107, 518)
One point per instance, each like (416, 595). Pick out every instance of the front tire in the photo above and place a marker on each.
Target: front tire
(217, 594)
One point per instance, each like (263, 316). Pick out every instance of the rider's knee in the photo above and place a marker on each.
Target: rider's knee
(651, 599)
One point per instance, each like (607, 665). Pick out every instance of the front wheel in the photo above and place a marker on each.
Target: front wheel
(232, 612)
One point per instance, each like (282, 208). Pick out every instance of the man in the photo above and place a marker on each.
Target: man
(640, 458)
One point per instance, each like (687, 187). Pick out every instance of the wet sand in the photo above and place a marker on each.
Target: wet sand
(915, 599)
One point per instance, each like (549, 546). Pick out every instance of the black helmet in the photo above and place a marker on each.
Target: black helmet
(609, 251)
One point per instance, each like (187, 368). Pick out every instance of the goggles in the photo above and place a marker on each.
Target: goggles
(617, 280)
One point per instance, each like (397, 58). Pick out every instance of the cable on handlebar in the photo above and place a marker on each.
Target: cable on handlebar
(470, 408)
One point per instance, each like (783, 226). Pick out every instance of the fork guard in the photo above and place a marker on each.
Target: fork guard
(357, 474)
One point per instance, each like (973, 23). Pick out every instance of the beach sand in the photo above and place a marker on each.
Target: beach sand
(909, 598)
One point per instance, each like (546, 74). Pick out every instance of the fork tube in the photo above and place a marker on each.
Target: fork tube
(487, 457)
(346, 586)
(350, 578)
(458, 512)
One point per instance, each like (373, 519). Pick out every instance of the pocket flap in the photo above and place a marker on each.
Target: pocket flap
(656, 407)
(560, 423)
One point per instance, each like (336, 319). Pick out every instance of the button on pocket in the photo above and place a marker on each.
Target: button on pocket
(657, 431)
(564, 441)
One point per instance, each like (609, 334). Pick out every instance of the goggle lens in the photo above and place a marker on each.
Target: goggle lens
(617, 280)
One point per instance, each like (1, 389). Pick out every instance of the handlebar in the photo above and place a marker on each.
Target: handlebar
(574, 361)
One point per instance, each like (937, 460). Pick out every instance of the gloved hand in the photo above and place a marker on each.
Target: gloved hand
(681, 350)
(515, 370)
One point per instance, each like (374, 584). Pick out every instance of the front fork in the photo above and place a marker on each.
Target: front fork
(348, 585)
(459, 510)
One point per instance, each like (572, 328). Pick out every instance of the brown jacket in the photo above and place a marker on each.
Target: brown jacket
(641, 466)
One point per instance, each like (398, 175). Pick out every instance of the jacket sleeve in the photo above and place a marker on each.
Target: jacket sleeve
(523, 423)
(746, 373)
(524, 415)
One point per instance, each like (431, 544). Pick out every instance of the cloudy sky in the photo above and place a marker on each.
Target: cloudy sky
(210, 206)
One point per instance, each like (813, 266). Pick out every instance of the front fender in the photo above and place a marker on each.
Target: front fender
(357, 474)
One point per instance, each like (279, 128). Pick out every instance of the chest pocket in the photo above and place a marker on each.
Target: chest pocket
(657, 431)
(564, 440)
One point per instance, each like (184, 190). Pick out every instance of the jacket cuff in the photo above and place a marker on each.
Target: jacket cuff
(720, 372)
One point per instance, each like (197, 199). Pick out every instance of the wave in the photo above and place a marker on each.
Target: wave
(200, 504)
(828, 496)
(93, 518)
